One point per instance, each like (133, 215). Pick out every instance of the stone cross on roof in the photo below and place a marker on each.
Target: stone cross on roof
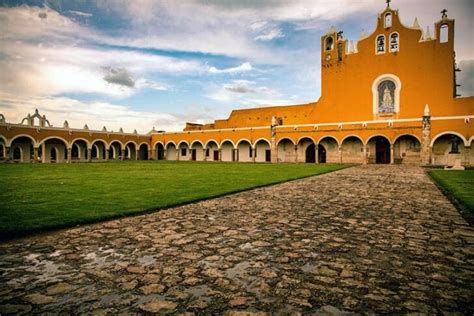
(388, 3)
(443, 13)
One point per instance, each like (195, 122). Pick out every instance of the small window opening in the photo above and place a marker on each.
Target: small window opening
(380, 44)
(443, 34)
(329, 43)
(388, 20)
(183, 151)
(394, 42)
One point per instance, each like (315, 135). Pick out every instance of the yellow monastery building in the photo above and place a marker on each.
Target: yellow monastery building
(391, 98)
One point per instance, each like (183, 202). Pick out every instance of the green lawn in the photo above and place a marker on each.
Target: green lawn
(459, 184)
(35, 197)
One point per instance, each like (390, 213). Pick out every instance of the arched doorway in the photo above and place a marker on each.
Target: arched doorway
(79, 150)
(329, 152)
(115, 150)
(143, 152)
(310, 153)
(321, 154)
(352, 150)
(160, 151)
(286, 150)
(212, 151)
(447, 149)
(171, 151)
(379, 150)
(263, 152)
(197, 151)
(55, 150)
(407, 150)
(21, 149)
(245, 151)
(227, 151)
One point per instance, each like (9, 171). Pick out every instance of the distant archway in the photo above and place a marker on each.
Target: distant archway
(159, 151)
(379, 150)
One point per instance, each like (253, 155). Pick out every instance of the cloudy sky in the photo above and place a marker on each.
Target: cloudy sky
(144, 63)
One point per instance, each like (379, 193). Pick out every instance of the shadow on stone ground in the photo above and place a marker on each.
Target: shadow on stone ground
(371, 238)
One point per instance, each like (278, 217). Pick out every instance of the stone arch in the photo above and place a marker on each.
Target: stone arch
(227, 150)
(183, 150)
(2, 148)
(33, 141)
(286, 150)
(212, 150)
(130, 151)
(170, 143)
(159, 151)
(379, 149)
(328, 149)
(352, 149)
(100, 146)
(263, 151)
(306, 149)
(116, 150)
(25, 145)
(197, 150)
(244, 150)
(79, 149)
(54, 145)
(171, 151)
(449, 133)
(407, 149)
(88, 144)
(447, 148)
(142, 151)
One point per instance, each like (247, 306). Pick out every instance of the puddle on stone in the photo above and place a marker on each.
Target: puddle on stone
(237, 271)
(308, 267)
(147, 260)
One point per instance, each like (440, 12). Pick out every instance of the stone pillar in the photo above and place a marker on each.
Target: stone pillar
(339, 154)
(296, 153)
(204, 156)
(364, 150)
(107, 153)
(392, 151)
(69, 155)
(177, 154)
(254, 154)
(467, 153)
(137, 152)
(89, 154)
(35, 154)
(316, 153)
(150, 154)
(220, 154)
(236, 155)
(426, 139)
(165, 154)
(273, 145)
(7, 154)
(43, 153)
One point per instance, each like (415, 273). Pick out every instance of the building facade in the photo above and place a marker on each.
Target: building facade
(389, 98)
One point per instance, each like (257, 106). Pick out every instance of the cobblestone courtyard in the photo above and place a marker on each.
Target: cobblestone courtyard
(369, 238)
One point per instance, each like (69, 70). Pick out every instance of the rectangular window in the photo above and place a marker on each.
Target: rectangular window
(207, 152)
(250, 152)
(183, 152)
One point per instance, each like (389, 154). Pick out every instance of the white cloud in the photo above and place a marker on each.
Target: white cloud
(94, 114)
(246, 93)
(270, 35)
(245, 67)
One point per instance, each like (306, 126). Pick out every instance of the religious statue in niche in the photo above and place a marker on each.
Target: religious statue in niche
(386, 97)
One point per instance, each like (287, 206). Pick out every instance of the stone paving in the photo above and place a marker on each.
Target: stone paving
(373, 238)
